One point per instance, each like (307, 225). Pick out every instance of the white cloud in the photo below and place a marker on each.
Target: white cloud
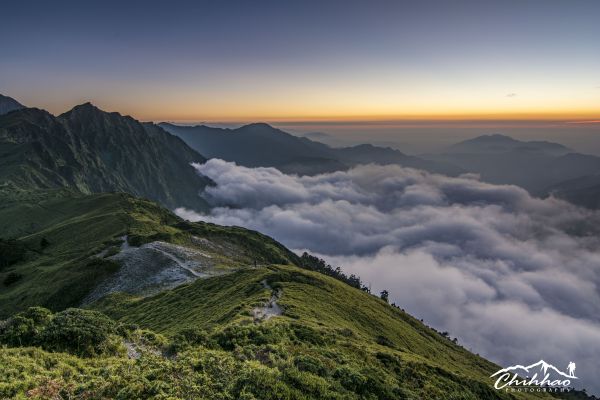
(515, 278)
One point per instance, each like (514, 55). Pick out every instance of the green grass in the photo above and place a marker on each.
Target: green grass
(57, 275)
(326, 345)
(333, 341)
(77, 227)
(208, 303)
(348, 335)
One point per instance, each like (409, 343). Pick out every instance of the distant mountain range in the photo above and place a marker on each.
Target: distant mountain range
(541, 167)
(538, 166)
(89, 150)
(261, 145)
(501, 144)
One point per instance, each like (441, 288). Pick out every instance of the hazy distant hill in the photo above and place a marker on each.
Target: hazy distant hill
(90, 150)
(253, 145)
(8, 104)
(367, 153)
(263, 145)
(534, 166)
(502, 144)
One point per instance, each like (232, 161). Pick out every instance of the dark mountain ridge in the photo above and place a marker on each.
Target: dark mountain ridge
(95, 151)
(261, 145)
(252, 145)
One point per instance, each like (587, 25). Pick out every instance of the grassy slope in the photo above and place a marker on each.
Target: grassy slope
(339, 325)
(356, 345)
(207, 303)
(78, 227)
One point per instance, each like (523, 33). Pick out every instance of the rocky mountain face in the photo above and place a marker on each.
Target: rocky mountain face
(91, 151)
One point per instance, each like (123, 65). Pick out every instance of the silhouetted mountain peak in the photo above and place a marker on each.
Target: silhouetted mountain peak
(8, 104)
(264, 131)
(85, 108)
(87, 113)
(258, 125)
(493, 138)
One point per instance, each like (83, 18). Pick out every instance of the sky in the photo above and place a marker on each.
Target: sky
(307, 61)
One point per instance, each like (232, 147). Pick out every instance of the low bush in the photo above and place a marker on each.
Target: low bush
(304, 333)
(192, 337)
(389, 361)
(25, 328)
(351, 380)
(310, 364)
(258, 335)
(81, 332)
(384, 341)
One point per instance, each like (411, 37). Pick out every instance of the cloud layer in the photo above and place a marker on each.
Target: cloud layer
(515, 278)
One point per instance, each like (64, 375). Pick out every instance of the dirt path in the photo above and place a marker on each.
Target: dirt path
(186, 265)
(271, 309)
(151, 268)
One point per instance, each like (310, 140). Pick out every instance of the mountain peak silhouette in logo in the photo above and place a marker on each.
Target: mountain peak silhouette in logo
(543, 366)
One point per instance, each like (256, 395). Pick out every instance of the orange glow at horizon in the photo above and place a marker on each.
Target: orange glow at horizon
(369, 108)
(343, 103)
(281, 112)
(572, 117)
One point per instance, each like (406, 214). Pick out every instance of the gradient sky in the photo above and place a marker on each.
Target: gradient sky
(305, 60)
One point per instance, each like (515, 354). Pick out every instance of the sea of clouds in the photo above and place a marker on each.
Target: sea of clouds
(514, 277)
